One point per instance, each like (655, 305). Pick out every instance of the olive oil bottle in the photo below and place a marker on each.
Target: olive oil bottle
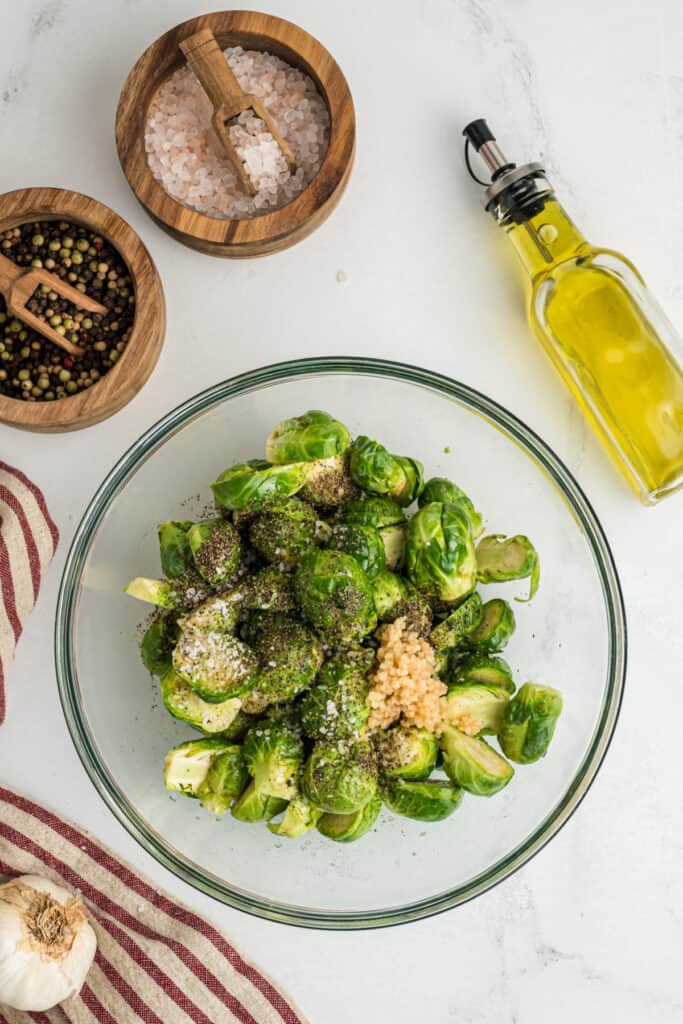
(596, 319)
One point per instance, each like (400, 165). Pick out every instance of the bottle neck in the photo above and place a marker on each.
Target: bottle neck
(544, 239)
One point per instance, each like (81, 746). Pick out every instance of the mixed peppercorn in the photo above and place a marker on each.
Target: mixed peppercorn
(34, 369)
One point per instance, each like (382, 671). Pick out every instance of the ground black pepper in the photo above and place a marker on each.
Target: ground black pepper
(32, 368)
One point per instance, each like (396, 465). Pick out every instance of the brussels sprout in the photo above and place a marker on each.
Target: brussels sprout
(375, 470)
(396, 598)
(530, 722)
(434, 800)
(174, 547)
(335, 595)
(440, 557)
(240, 725)
(476, 708)
(501, 558)
(340, 779)
(215, 665)
(182, 593)
(255, 806)
(257, 483)
(156, 648)
(443, 490)
(496, 627)
(459, 624)
(215, 546)
(407, 752)
(289, 656)
(315, 435)
(346, 828)
(268, 590)
(364, 543)
(335, 707)
(274, 754)
(187, 765)
(483, 668)
(328, 482)
(183, 703)
(284, 531)
(300, 817)
(225, 780)
(471, 763)
(373, 510)
(218, 614)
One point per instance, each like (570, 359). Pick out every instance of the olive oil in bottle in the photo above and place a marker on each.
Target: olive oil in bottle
(596, 319)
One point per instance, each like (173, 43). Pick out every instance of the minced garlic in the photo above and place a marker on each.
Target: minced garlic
(404, 686)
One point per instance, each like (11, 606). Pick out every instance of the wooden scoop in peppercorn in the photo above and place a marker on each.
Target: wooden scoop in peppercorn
(18, 284)
(207, 60)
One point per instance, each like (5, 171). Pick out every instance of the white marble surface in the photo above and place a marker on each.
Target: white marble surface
(592, 929)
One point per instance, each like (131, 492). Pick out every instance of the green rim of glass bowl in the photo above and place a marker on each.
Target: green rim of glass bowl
(549, 463)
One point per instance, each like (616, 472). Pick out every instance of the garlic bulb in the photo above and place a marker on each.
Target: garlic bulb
(46, 944)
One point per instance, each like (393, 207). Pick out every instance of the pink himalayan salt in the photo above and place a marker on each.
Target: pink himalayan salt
(187, 159)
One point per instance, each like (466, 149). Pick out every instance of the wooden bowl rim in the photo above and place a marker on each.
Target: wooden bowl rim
(288, 219)
(23, 205)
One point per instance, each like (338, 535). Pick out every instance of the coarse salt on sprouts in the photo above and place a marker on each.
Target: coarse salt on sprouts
(403, 685)
(187, 159)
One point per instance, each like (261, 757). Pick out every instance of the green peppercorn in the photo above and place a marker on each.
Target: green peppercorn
(15, 326)
(82, 244)
(61, 329)
(25, 352)
(64, 375)
(37, 240)
(87, 323)
(68, 242)
(76, 258)
(71, 386)
(37, 392)
(55, 245)
(44, 382)
(55, 320)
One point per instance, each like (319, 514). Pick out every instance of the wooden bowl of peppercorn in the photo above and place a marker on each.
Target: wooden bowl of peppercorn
(89, 246)
(273, 229)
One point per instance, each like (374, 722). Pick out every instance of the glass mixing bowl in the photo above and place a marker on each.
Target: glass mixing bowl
(572, 636)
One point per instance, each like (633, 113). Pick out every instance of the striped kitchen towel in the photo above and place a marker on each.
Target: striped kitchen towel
(28, 539)
(157, 962)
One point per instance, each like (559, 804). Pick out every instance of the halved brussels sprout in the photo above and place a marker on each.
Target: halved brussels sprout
(289, 657)
(299, 818)
(215, 546)
(373, 510)
(284, 531)
(335, 595)
(183, 593)
(156, 648)
(472, 764)
(335, 707)
(187, 765)
(375, 470)
(256, 483)
(441, 489)
(459, 624)
(174, 547)
(225, 780)
(501, 558)
(476, 708)
(329, 483)
(432, 800)
(364, 543)
(346, 828)
(407, 752)
(529, 723)
(315, 435)
(255, 806)
(215, 665)
(274, 754)
(496, 627)
(440, 557)
(183, 703)
(340, 779)
(482, 668)
(268, 590)
(396, 598)
(218, 614)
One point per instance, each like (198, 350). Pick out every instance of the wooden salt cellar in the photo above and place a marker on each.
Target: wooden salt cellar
(271, 232)
(116, 388)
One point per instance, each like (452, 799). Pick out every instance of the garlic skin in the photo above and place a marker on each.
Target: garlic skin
(46, 944)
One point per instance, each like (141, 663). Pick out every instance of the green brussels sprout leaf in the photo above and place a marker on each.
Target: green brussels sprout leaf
(183, 703)
(335, 707)
(340, 779)
(215, 546)
(501, 558)
(482, 668)
(375, 470)
(225, 780)
(441, 489)
(496, 627)
(174, 547)
(156, 648)
(254, 806)
(255, 484)
(335, 595)
(364, 543)
(471, 763)
(215, 665)
(274, 755)
(187, 765)
(407, 752)
(476, 708)
(299, 818)
(459, 624)
(432, 800)
(440, 558)
(346, 828)
(315, 435)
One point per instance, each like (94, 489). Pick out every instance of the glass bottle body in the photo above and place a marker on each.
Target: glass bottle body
(612, 345)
